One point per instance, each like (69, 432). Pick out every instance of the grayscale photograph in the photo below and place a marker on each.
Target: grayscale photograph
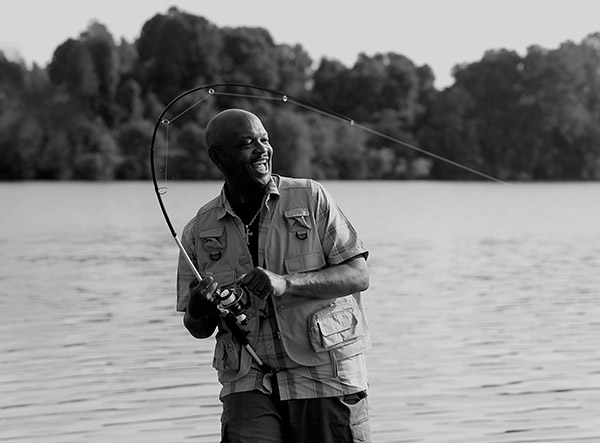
(305, 222)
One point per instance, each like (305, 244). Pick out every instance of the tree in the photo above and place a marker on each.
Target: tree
(95, 153)
(72, 69)
(105, 62)
(450, 134)
(177, 52)
(289, 133)
(249, 56)
(295, 70)
(188, 155)
(374, 85)
(339, 149)
(327, 83)
(133, 138)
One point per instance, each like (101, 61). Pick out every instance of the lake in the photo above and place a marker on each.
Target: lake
(484, 311)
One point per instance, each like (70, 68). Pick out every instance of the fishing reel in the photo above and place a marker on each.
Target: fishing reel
(234, 301)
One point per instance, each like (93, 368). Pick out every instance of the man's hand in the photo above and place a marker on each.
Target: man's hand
(201, 301)
(263, 283)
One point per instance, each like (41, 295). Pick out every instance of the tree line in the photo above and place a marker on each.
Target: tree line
(91, 112)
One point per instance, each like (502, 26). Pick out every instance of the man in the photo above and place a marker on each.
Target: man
(302, 263)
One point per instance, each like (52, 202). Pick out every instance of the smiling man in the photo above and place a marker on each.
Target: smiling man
(289, 245)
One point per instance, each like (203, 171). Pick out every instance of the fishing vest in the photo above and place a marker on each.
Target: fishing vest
(313, 331)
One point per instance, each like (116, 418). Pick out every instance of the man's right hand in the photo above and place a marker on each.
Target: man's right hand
(201, 302)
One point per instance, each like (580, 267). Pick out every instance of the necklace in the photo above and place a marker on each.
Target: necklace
(247, 232)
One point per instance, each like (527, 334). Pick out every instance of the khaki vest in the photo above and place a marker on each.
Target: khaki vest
(314, 331)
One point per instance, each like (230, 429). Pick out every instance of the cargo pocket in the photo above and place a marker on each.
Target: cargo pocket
(358, 411)
(336, 326)
(214, 242)
(226, 358)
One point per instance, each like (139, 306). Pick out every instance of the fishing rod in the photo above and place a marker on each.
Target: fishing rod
(233, 302)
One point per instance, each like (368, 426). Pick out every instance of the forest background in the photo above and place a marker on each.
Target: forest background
(91, 112)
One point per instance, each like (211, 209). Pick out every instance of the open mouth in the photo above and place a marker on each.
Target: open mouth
(261, 166)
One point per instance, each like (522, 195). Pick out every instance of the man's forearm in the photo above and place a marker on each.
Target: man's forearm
(336, 281)
(202, 327)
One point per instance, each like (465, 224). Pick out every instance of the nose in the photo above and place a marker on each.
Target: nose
(262, 146)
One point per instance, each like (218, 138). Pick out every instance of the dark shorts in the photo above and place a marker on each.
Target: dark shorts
(259, 418)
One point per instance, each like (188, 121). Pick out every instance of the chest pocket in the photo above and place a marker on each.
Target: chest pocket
(298, 222)
(214, 242)
(305, 253)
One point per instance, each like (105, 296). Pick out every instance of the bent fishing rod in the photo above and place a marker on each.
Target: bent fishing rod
(234, 301)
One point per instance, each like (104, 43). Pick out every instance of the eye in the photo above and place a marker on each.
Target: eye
(244, 143)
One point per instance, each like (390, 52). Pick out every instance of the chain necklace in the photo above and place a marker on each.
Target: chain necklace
(247, 232)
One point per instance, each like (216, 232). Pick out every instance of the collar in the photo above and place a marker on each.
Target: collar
(271, 196)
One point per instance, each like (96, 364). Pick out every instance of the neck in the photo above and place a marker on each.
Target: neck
(245, 203)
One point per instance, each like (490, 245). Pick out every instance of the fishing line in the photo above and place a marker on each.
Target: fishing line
(275, 96)
(166, 122)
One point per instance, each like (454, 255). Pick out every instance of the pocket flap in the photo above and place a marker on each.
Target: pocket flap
(298, 216)
(334, 327)
(213, 238)
(212, 232)
(296, 212)
(337, 322)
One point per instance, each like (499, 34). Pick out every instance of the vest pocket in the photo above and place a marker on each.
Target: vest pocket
(214, 242)
(226, 358)
(336, 326)
(298, 221)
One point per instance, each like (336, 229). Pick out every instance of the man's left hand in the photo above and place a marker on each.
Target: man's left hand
(263, 283)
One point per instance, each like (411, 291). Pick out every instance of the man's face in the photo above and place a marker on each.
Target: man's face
(245, 155)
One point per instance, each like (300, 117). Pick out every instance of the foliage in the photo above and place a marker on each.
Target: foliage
(91, 113)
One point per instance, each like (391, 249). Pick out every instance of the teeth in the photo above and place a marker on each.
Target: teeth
(260, 166)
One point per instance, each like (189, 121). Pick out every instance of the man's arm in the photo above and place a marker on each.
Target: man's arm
(202, 327)
(334, 281)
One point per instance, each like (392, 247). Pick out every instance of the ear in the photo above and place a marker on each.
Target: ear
(213, 154)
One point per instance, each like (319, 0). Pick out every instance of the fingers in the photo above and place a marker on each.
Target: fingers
(258, 281)
(206, 283)
(201, 301)
(204, 288)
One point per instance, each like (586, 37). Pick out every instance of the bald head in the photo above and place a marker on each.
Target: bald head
(238, 144)
(225, 126)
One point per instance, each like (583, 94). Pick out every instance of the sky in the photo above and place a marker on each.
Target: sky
(439, 33)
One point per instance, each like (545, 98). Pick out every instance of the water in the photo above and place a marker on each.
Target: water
(483, 310)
